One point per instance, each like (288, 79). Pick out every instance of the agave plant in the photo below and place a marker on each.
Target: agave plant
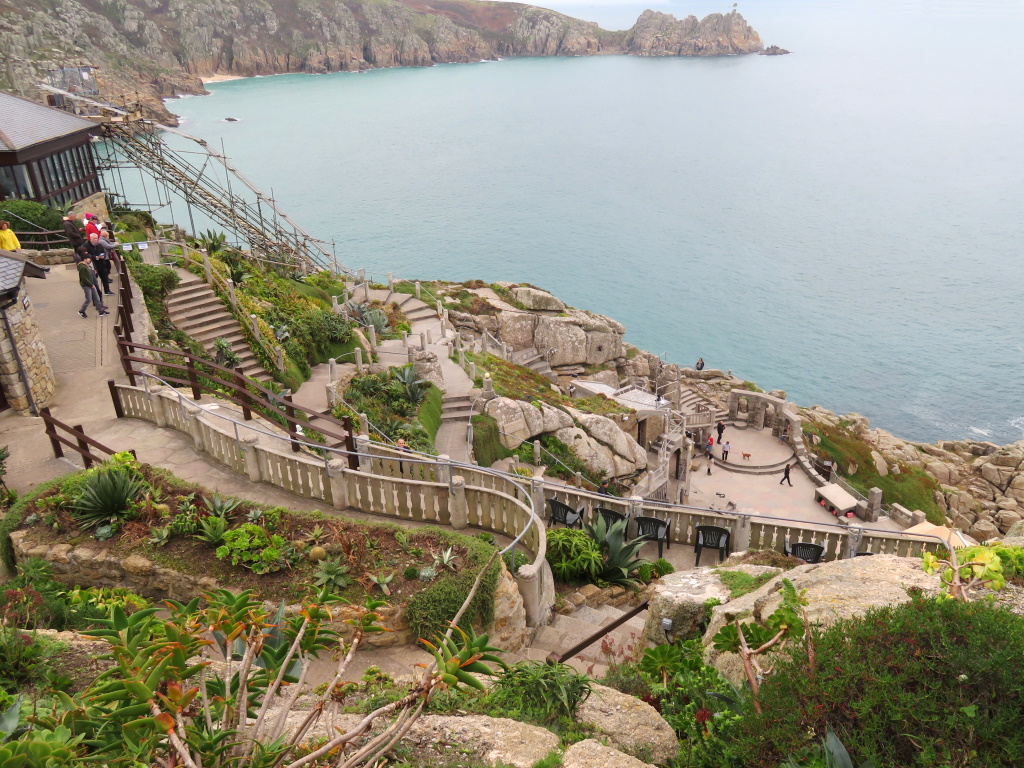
(212, 530)
(221, 507)
(333, 575)
(620, 555)
(378, 319)
(105, 498)
(413, 389)
(161, 534)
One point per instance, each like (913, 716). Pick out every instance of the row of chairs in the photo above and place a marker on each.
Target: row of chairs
(649, 528)
(653, 529)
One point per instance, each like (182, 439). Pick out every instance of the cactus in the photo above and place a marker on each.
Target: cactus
(316, 554)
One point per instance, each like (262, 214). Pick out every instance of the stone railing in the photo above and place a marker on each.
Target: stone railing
(384, 482)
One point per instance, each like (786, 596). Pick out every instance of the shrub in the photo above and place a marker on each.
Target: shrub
(573, 555)
(430, 609)
(23, 657)
(411, 573)
(929, 682)
(16, 515)
(739, 583)
(34, 213)
(541, 692)
(663, 567)
(251, 546)
(429, 413)
(106, 497)
(487, 447)
(514, 560)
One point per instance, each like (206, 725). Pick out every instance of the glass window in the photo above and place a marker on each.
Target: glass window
(23, 182)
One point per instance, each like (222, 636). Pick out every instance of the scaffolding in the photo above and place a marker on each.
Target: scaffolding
(205, 179)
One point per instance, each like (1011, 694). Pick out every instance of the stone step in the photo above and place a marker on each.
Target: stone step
(218, 326)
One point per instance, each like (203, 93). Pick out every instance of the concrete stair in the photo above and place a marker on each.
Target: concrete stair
(456, 408)
(689, 401)
(532, 358)
(746, 468)
(196, 310)
(566, 631)
(414, 310)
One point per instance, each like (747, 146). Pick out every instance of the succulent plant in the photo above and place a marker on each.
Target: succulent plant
(428, 574)
(316, 554)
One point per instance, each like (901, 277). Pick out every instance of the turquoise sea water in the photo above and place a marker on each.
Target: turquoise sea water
(843, 223)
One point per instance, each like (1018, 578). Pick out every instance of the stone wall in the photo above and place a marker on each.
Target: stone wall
(34, 360)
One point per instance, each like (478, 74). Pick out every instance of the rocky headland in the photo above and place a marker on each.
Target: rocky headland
(153, 50)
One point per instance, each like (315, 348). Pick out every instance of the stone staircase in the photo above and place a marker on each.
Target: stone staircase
(414, 310)
(689, 401)
(196, 310)
(456, 408)
(565, 631)
(532, 358)
(745, 468)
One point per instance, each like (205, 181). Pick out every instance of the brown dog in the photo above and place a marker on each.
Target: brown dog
(746, 457)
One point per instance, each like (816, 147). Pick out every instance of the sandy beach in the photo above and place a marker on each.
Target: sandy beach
(220, 78)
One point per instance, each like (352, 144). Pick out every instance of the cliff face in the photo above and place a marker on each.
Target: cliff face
(161, 48)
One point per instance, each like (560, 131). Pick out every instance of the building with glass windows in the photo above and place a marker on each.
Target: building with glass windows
(46, 155)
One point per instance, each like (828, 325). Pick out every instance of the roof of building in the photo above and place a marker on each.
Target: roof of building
(24, 123)
(631, 397)
(13, 266)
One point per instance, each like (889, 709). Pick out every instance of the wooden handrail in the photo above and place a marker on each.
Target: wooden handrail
(80, 444)
(587, 642)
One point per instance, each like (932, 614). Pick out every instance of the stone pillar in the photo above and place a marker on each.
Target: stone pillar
(537, 494)
(429, 337)
(255, 325)
(231, 295)
(364, 425)
(159, 403)
(458, 508)
(537, 588)
(734, 404)
(192, 417)
(423, 343)
(635, 506)
(740, 534)
(359, 360)
(252, 459)
(444, 331)
(362, 275)
(440, 309)
(279, 354)
(444, 468)
(462, 359)
(758, 415)
(405, 338)
(339, 488)
(334, 305)
(854, 536)
(25, 370)
(391, 282)
(536, 453)
(332, 370)
(372, 335)
(874, 507)
(366, 292)
(472, 373)
(362, 448)
(488, 393)
(418, 289)
(410, 353)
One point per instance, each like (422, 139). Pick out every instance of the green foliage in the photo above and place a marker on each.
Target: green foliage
(17, 513)
(218, 506)
(33, 599)
(106, 599)
(663, 567)
(739, 583)
(156, 283)
(559, 459)
(464, 655)
(385, 399)
(541, 692)
(573, 555)
(1011, 558)
(429, 573)
(619, 555)
(430, 609)
(829, 754)
(212, 530)
(24, 658)
(37, 214)
(333, 575)
(429, 413)
(411, 573)
(223, 354)
(924, 683)
(487, 446)
(251, 546)
(41, 749)
(514, 560)
(106, 498)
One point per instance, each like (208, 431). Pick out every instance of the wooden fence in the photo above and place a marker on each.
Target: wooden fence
(76, 440)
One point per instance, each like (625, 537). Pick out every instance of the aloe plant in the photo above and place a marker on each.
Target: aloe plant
(333, 574)
(105, 498)
(382, 579)
(620, 555)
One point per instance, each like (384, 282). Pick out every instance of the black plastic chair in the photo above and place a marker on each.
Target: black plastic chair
(653, 529)
(712, 537)
(610, 516)
(564, 514)
(809, 553)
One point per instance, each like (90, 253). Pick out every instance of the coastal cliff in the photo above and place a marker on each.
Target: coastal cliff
(156, 49)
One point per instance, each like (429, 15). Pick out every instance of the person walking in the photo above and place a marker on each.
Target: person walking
(785, 475)
(87, 281)
(711, 461)
(710, 444)
(8, 240)
(726, 447)
(720, 427)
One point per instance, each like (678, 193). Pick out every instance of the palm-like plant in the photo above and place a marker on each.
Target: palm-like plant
(105, 498)
(620, 556)
(221, 507)
(212, 242)
(414, 389)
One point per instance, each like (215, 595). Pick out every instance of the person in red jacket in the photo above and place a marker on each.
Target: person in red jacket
(92, 225)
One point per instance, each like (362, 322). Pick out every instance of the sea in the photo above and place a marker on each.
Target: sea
(843, 223)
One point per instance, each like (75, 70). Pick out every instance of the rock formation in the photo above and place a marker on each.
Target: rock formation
(157, 50)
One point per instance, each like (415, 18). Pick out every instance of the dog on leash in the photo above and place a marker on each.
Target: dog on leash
(746, 457)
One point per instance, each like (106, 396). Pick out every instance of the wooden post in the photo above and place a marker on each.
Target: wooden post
(243, 394)
(83, 447)
(350, 444)
(58, 451)
(193, 380)
(122, 351)
(118, 409)
(290, 415)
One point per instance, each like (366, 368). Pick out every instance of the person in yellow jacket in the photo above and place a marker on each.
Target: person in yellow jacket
(8, 240)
